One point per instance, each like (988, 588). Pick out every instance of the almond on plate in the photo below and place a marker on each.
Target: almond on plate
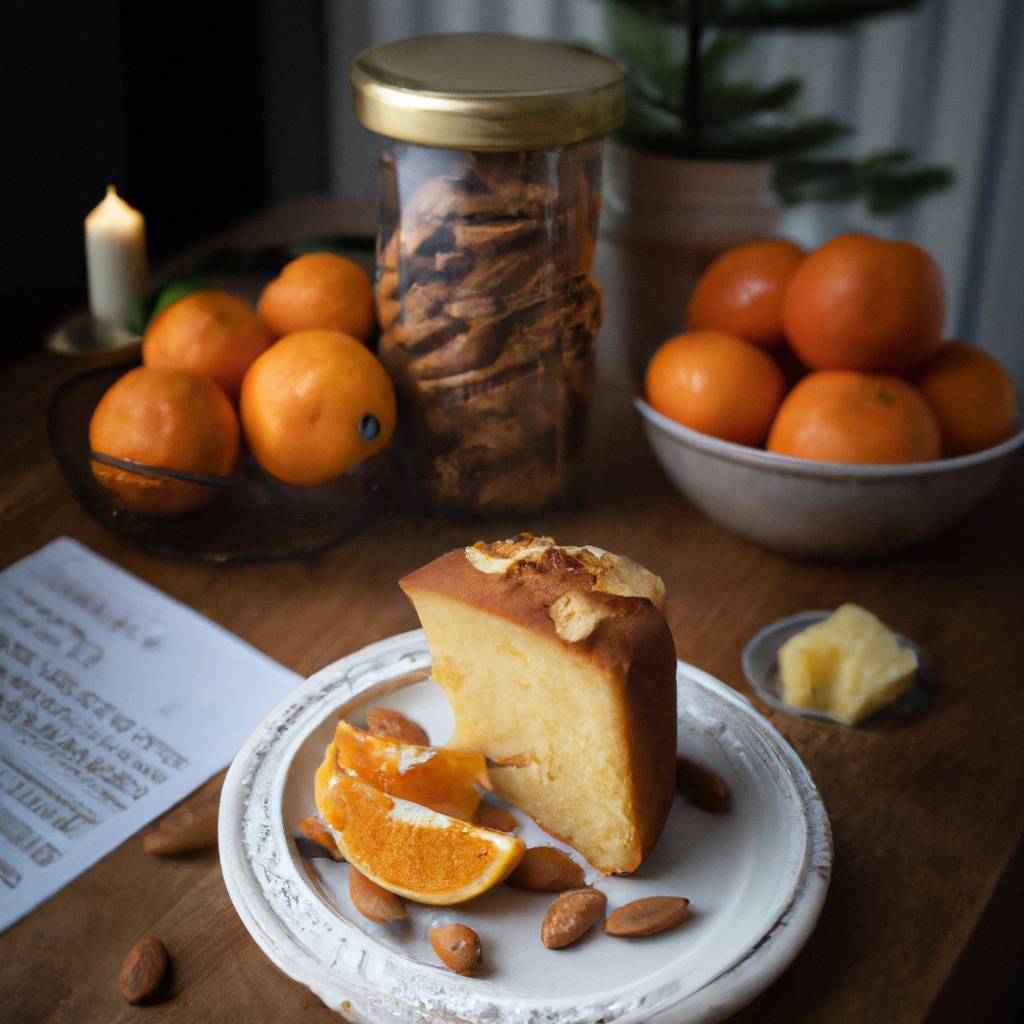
(489, 816)
(702, 787)
(648, 916)
(546, 869)
(316, 832)
(373, 901)
(386, 722)
(457, 946)
(571, 915)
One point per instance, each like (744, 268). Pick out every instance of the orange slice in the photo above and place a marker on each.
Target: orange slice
(411, 850)
(442, 780)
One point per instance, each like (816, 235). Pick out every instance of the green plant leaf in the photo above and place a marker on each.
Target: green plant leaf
(177, 288)
(720, 50)
(769, 14)
(881, 179)
(759, 142)
(731, 101)
(740, 119)
(659, 85)
(724, 100)
(799, 14)
(654, 53)
(898, 191)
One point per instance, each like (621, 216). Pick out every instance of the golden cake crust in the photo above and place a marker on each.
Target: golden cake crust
(629, 640)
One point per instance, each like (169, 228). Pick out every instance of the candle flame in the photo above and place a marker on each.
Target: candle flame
(114, 212)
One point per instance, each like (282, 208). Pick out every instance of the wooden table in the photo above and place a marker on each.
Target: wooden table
(927, 818)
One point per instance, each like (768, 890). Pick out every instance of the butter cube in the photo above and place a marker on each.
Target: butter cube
(845, 666)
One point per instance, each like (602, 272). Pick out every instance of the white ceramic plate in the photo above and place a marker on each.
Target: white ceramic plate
(756, 877)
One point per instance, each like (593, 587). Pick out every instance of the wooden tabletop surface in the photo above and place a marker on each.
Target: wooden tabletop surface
(927, 818)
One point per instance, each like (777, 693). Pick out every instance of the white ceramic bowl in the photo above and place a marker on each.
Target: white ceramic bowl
(821, 509)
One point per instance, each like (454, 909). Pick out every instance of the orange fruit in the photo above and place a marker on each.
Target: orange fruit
(716, 383)
(168, 420)
(844, 416)
(210, 333)
(862, 303)
(972, 397)
(443, 780)
(410, 850)
(319, 290)
(316, 404)
(741, 292)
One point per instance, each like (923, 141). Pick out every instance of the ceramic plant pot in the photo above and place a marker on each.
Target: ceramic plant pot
(664, 221)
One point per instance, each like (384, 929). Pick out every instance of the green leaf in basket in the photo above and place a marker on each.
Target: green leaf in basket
(349, 246)
(136, 322)
(177, 288)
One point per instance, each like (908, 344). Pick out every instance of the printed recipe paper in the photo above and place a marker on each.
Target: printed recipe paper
(115, 703)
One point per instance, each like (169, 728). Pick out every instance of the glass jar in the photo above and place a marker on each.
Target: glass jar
(489, 202)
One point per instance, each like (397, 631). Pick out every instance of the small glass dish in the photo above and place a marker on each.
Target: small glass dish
(256, 519)
(761, 666)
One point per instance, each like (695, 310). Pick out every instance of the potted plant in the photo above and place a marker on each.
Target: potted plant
(706, 160)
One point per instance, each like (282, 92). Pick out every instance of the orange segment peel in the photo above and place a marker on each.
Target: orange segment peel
(410, 850)
(442, 780)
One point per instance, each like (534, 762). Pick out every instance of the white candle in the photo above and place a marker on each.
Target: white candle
(115, 256)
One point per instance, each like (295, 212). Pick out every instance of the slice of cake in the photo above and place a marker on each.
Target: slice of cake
(560, 667)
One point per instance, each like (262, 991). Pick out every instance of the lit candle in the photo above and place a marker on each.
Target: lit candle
(115, 256)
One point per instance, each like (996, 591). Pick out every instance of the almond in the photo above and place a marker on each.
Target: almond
(314, 830)
(187, 828)
(571, 915)
(457, 947)
(648, 916)
(546, 869)
(385, 722)
(702, 787)
(497, 818)
(143, 970)
(372, 900)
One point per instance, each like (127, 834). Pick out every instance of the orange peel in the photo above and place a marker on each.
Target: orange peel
(442, 780)
(410, 850)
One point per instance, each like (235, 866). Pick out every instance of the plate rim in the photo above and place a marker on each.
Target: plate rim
(769, 954)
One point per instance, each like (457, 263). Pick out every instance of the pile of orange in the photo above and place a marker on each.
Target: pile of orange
(294, 380)
(400, 815)
(834, 355)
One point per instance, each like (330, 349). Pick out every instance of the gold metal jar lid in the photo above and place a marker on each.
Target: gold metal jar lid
(482, 91)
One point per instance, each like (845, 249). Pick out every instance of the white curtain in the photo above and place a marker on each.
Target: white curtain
(946, 81)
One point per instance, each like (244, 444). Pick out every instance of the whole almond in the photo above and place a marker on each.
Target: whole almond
(571, 915)
(457, 947)
(143, 970)
(189, 827)
(373, 900)
(648, 916)
(546, 869)
(385, 722)
(702, 787)
(319, 834)
(497, 818)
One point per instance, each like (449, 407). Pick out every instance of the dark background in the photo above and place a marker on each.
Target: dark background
(202, 113)
(169, 101)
